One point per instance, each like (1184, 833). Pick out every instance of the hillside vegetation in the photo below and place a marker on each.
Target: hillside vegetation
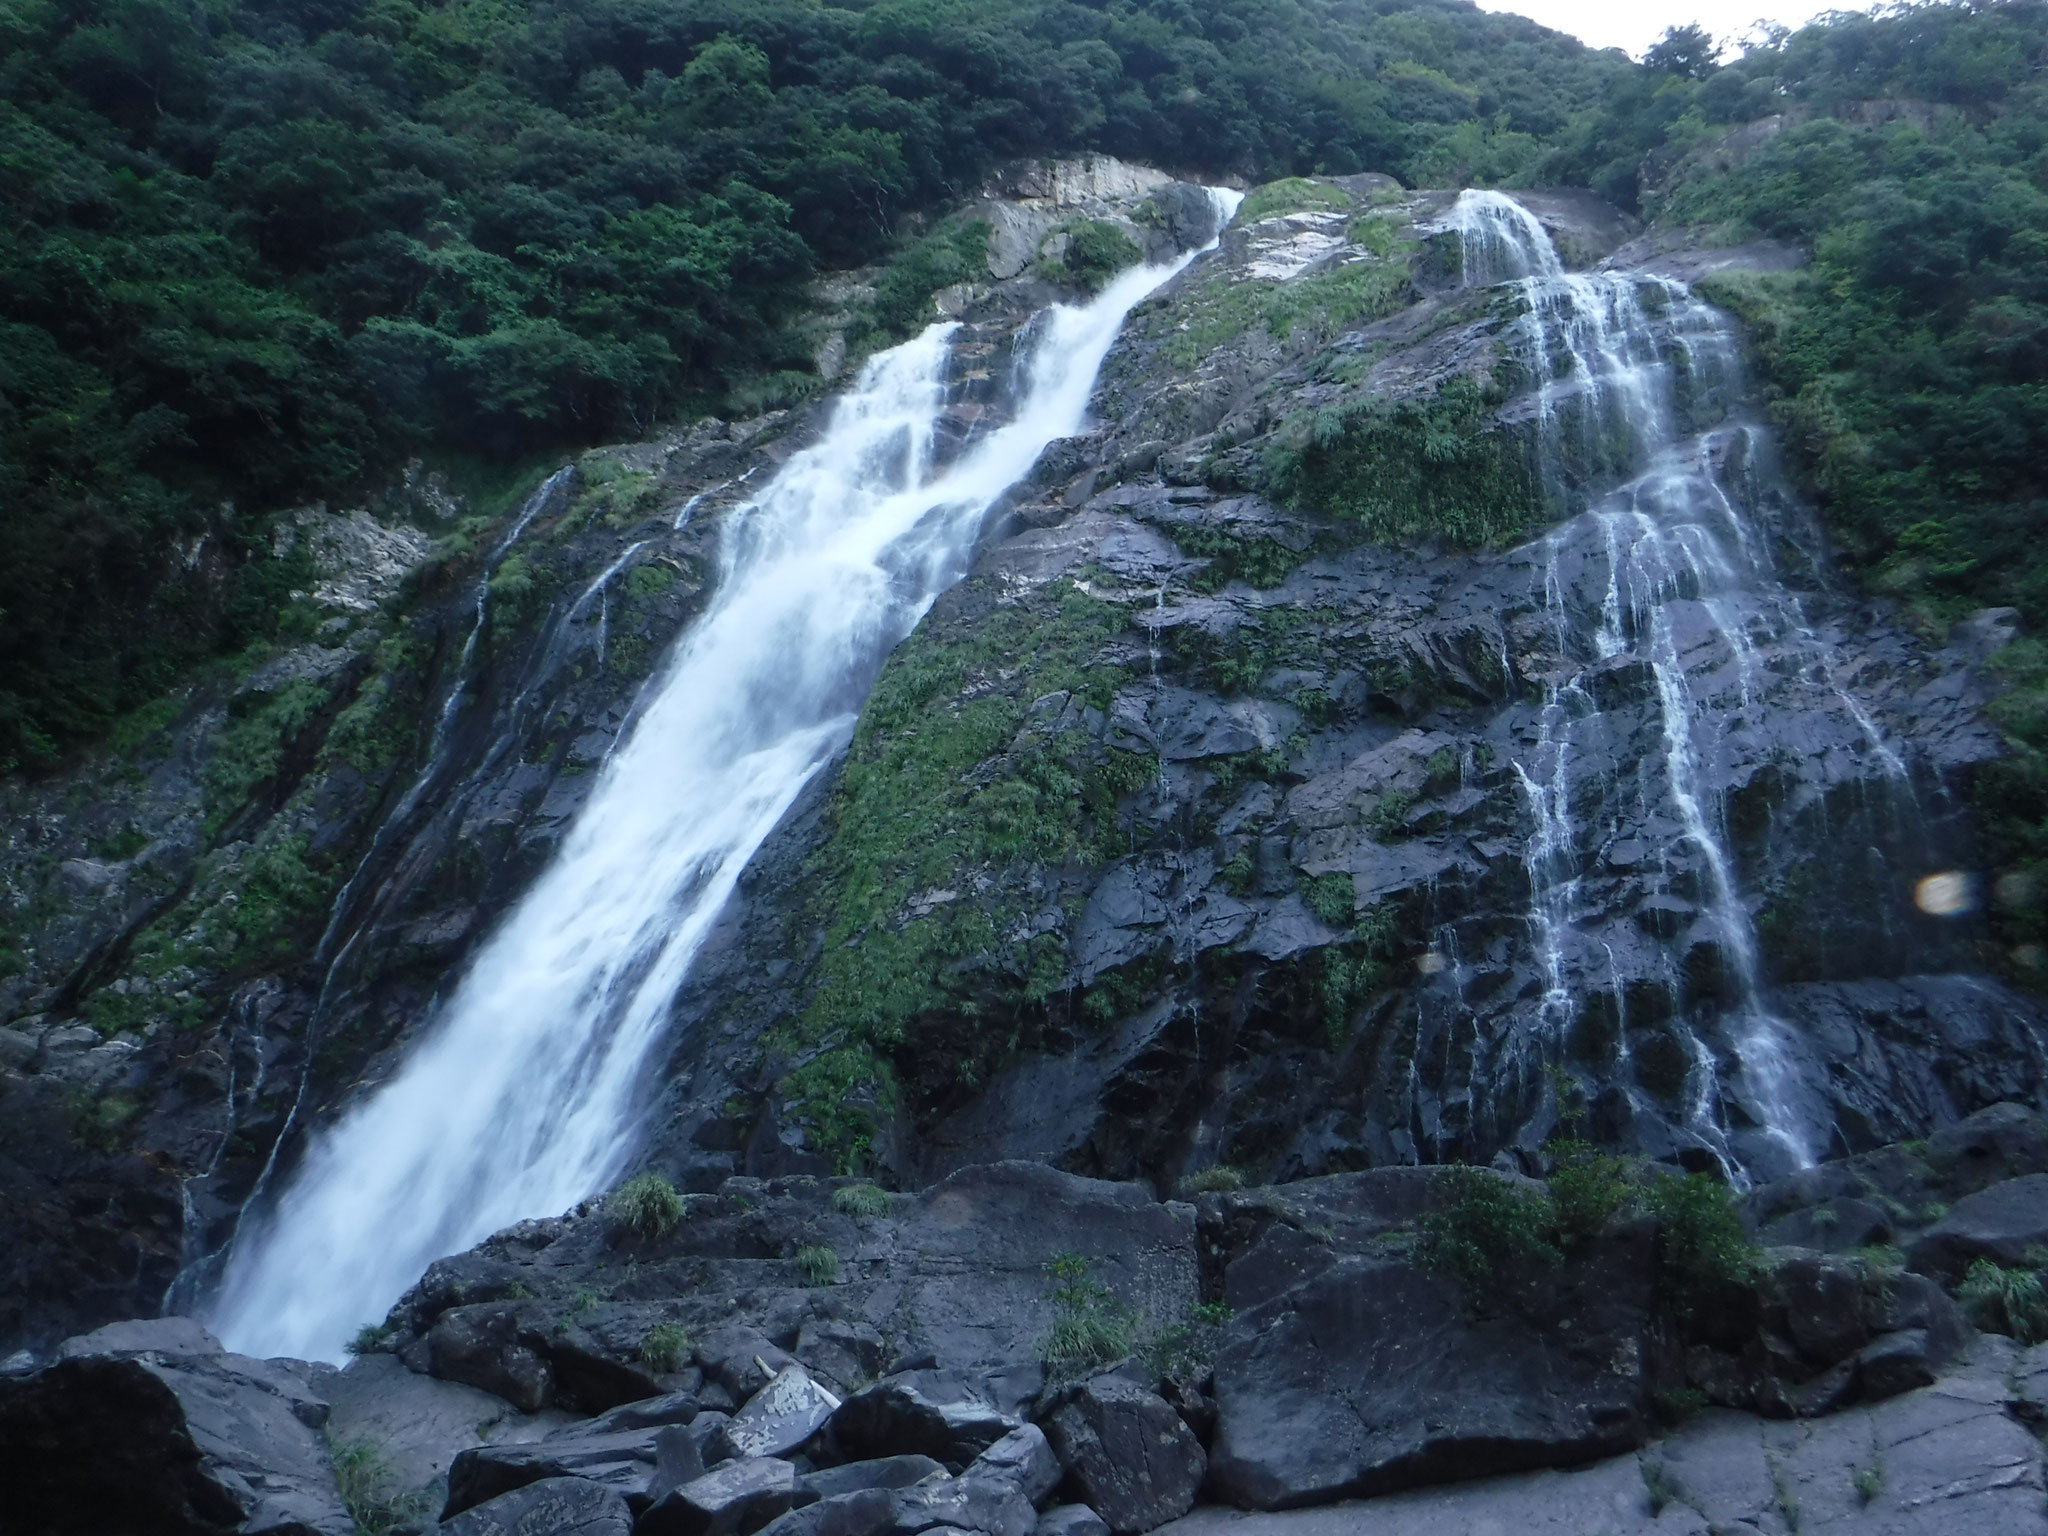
(257, 255)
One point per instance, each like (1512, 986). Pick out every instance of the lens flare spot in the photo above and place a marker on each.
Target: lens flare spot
(1948, 894)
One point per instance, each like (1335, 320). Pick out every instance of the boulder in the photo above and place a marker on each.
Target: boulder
(863, 1512)
(1127, 1452)
(926, 1412)
(781, 1416)
(1897, 1362)
(648, 1413)
(484, 1346)
(990, 1506)
(1071, 1520)
(733, 1357)
(628, 1462)
(1022, 1460)
(152, 1427)
(554, 1506)
(143, 1335)
(420, 1423)
(1369, 1374)
(848, 1355)
(2000, 1223)
(736, 1499)
(884, 1472)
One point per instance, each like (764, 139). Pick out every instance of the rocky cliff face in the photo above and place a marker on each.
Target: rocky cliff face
(1416, 723)
(1299, 781)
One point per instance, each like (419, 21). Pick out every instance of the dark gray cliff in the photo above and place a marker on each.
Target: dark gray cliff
(1192, 828)
(1232, 812)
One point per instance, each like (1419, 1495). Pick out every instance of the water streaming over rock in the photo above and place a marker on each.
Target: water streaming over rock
(1663, 605)
(520, 1099)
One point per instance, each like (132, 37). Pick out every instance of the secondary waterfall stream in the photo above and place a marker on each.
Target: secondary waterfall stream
(519, 1099)
(1659, 593)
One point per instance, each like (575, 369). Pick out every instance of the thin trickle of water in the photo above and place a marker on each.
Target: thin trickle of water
(520, 1099)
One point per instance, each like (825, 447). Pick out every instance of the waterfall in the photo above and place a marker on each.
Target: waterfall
(1630, 388)
(519, 1100)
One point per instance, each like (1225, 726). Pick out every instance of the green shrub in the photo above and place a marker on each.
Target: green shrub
(1702, 1244)
(1096, 252)
(863, 1200)
(1091, 1329)
(648, 1205)
(1293, 194)
(1590, 1188)
(2008, 1301)
(1332, 897)
(370, 1339)
(1220, 1180)
(370, 1488)
(666, 1348)
(1409, 470)
(818, 1264)
(1489, 1227)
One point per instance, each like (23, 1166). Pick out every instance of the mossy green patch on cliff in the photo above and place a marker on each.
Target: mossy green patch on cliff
(956, 790)
(1293, 194)
(1233, 555)
(1096, 250)
(1412, 469)
(1227, 304)
(250, 749)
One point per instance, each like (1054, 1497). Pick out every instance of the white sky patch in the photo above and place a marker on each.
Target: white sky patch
(1633, 25)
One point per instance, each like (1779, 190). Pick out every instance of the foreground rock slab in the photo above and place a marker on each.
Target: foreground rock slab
(555, 1506)
(1949, 1460)
(152, 1427)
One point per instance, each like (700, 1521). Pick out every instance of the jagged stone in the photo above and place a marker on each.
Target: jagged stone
(927, 1413)
(2002, 1223)
(882, 1472)
(1022, 1460)
(554, 1506)
(153, 1427)
(485, 1346)
(780, 1417)
(861, 1512)
(1126, 1452)
(1071, 1520)
(736, 1499)
(636, 1464)
(1357, 1374)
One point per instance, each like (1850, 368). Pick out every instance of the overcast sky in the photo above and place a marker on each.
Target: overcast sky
(1633, 25)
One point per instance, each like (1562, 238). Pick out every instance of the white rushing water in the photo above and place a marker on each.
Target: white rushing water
(520, 1100)
(1631, 376)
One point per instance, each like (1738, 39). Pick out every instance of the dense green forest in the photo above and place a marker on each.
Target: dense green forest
(259, 254)
(254, 254)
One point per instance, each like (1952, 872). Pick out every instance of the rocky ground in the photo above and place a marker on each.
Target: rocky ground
(1018, 1349)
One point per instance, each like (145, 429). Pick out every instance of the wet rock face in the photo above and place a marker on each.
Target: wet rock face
(1410, 852)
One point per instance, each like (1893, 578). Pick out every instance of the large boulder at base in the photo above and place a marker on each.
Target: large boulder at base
(925, 1413)
(554, 1506)
(152, 1427)
(735, 1500)
(1071, 1520)
(1128, 1454)
(1359, 1374)
(636, 1464)
(2000, 1223)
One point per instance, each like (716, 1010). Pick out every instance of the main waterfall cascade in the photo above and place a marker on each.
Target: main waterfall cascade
(1662, 588)
(521, 1097)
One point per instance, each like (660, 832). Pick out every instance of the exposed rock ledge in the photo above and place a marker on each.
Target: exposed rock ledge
(817, 1358)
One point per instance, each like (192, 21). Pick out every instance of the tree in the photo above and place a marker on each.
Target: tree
(1689, 51)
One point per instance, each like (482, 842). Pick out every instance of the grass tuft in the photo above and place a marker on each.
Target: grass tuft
(648, 1205)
